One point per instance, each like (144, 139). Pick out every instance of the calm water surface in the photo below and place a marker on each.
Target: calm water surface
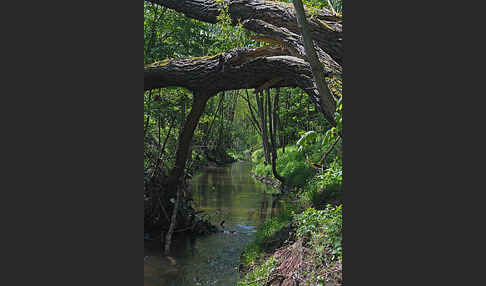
(229, 194)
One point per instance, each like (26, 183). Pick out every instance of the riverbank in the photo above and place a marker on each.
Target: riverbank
(304, 249)
(302, 244)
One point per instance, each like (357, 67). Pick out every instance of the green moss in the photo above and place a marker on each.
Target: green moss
(194, 59)
(203, 58)
(160, 63)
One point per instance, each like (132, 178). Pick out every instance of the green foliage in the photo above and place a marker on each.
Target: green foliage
(257, 275)
(325, 187)
(238, 155)
(292, 165)
(338, 116)
(257, 155)
(311, 6)
(324, 230)
(332, 179)
(261, 169)
(306, 139)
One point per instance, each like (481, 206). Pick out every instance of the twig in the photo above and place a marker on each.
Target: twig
(330, 149)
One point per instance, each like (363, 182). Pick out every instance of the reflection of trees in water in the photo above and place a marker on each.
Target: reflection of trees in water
(226, 191)
(251, 213)
(263, 208)
(275, 207)
(219, 195)
(201, 188)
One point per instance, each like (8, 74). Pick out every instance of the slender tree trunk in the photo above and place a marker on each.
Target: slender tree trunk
(276, 116)
(159, 122)
(173, 221)
(208, 132)
(148, 113)
(263, 126)
(172, 123)
(286, 136)
(271, 119)
(183, 112)
(252, 113)
(233, 108)
(162, 149)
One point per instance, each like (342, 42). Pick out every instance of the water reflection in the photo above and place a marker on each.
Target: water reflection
(228, 194)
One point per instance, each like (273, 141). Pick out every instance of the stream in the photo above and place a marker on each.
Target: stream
(226, 194)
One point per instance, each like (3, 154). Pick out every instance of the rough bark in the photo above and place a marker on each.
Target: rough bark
(237, 69)
(291, 42)
(230, 70)
(326, 27)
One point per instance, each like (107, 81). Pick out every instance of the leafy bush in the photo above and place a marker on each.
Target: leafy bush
(324, 230)
(325, 187)
(291, 165)
(333, 178)
(261, 170)
(257, 275)
(237, 155)
(257, 155)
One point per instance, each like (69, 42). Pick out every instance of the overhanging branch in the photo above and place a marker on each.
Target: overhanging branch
(325, 26)
(237, 69)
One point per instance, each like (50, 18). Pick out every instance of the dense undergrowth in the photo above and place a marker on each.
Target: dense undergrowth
(309, 229)
(319, 235)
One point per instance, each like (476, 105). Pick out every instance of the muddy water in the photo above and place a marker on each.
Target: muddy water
(226, 194)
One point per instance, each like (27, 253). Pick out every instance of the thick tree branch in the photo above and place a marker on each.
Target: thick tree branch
(325, 26)
(291, 42)
(185, 139)
(237, 69)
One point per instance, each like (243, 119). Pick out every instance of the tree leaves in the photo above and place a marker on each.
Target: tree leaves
(307, 138)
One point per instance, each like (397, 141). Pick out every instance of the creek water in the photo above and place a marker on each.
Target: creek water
(226, 194)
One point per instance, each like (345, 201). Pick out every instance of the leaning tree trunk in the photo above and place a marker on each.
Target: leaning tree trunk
(198, 103)
(326, 99)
